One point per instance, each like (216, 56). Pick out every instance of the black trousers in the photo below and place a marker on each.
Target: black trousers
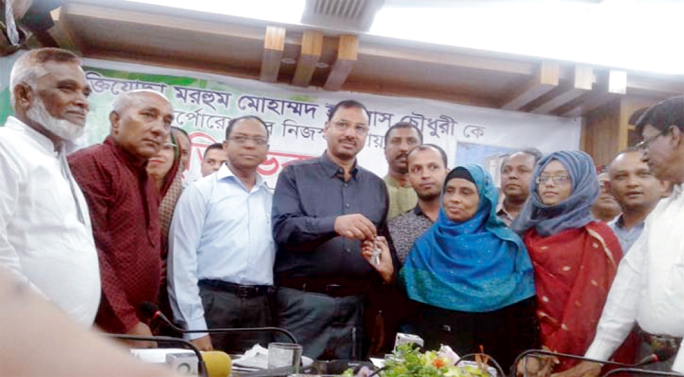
(503, 333)
(226, 310)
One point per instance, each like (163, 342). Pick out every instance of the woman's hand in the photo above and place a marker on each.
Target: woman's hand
(536, 366)
(383, 262)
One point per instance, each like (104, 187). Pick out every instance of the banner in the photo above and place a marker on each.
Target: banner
(295, 117)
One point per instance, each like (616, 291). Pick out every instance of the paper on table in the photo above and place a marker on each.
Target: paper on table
(257, 357)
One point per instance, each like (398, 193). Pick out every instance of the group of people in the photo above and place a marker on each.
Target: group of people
(334, 254)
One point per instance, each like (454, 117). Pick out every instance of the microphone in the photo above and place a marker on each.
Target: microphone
(659, 355)
(152, 312)
(209, 363)
(662, 354)
(201, 366)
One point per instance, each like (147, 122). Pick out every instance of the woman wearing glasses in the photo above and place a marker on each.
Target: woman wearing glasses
(575, 257)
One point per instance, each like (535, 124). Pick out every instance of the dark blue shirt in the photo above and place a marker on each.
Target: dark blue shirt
(308, 197)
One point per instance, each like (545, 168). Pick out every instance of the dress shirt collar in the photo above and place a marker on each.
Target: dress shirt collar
(42, 140)
(126, 157)
(225, 173)
(419, 212)
(619, 222)
(334, 170)
(677, 190)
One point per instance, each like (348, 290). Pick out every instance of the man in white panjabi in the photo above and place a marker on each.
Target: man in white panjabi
(649, 287)
(46, 240)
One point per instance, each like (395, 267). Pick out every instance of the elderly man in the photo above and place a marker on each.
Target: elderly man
(649, 285)
(214, 157)
(45, 233)
(222, 250)
(637, 192)
(322, 210)
(124, 207)
(399, 140)
(516, 173)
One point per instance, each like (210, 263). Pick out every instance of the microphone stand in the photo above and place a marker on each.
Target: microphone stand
(567, 355)
(226, 330)
(633, 371)
(201, 367)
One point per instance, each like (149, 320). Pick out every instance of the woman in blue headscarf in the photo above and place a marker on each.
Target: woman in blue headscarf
(472, 275)
(574, 256)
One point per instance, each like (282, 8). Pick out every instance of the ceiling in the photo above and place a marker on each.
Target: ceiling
(319, 56)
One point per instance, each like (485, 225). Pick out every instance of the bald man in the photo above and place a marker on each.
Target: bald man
(124, 208)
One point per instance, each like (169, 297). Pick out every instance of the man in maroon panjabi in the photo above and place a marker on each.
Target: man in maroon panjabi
(124, 208)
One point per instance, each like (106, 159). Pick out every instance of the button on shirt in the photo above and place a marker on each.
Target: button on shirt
(220, 231)
(45, 232)
(309, 196)
(649, 286)
(627, 237)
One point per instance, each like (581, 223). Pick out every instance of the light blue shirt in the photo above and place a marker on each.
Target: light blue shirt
(627, 237)
(220, 231)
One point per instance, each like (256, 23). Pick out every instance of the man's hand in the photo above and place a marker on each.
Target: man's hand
(355, 226)
(203, 343)
(140, 329)
(583, 369)
(385, 267)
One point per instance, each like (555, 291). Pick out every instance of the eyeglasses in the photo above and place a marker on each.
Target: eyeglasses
(256, 139)
(343, 126)
(642, 146)
(557, 179)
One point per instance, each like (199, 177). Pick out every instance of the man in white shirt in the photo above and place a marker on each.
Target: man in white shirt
(649, 287)
(45, 233)
(221, 247)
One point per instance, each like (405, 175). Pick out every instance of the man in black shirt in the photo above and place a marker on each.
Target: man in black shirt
(322, 210)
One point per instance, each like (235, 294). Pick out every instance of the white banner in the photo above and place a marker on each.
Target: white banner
(204, 104)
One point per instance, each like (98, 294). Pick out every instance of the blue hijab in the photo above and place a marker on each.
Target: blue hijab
(477, 265)
(571, 213)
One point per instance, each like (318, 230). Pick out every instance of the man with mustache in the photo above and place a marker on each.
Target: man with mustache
(637, 192)
(648, 290)
(323, 209)
(516, 173)
(124, 207)
(399, 140)
(222, 250)
(46, 240)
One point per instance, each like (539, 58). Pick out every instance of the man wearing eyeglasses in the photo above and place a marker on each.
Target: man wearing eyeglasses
(648, 290)
(323, 209)
(221, 250)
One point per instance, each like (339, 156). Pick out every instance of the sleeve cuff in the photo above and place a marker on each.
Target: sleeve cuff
(197, 324)
(326, 225)
(599, 350)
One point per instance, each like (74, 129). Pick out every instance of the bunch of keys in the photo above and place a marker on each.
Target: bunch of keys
(375, 259)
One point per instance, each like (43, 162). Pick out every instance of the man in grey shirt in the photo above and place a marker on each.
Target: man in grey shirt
(427, 169)
(322, 210)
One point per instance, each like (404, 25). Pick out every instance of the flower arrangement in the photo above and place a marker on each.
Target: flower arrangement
(408, 361)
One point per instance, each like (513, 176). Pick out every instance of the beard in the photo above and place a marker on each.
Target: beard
(429, 196)
(62, 128)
